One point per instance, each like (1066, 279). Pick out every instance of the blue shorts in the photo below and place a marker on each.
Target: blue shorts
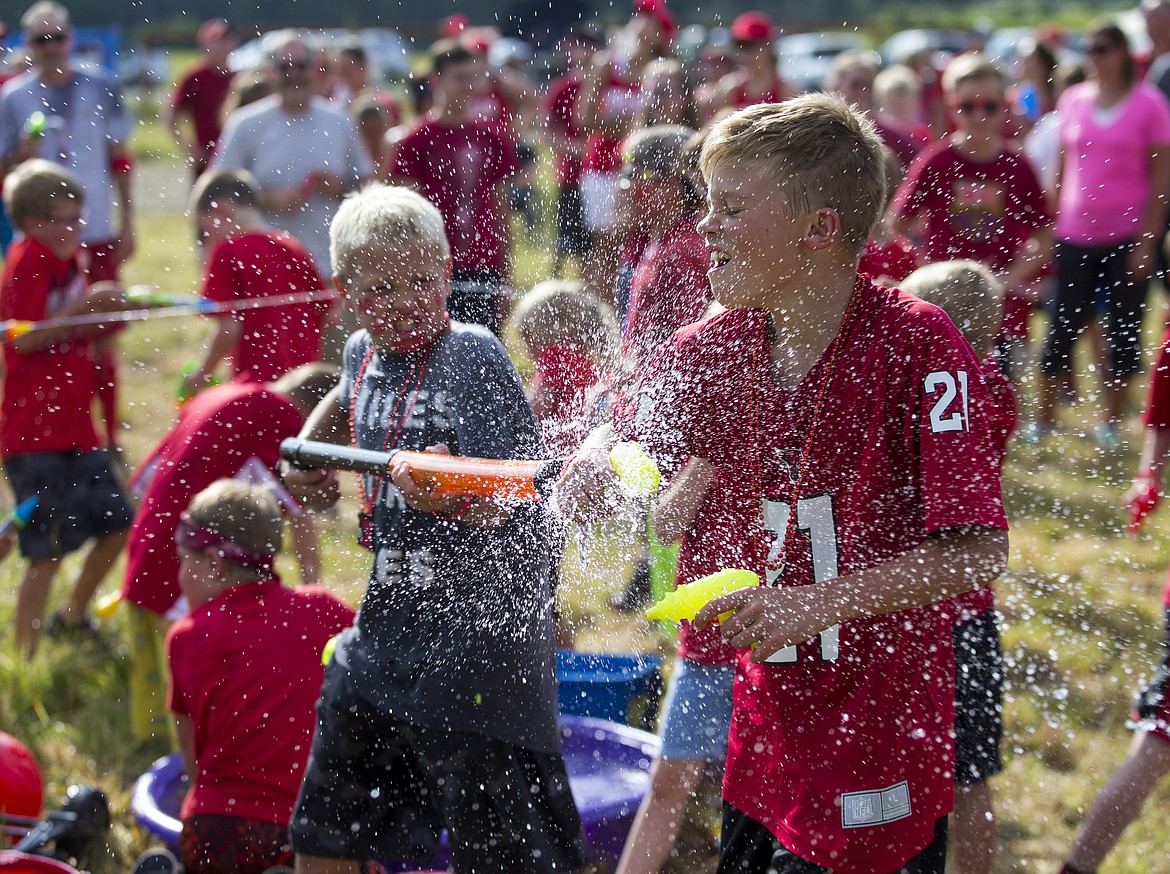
(79, 499)
(696, 714)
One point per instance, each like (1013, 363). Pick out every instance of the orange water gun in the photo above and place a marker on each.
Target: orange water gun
(466, 476)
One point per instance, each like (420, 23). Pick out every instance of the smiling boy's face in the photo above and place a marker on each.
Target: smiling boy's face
(399, 296)
(61, 231)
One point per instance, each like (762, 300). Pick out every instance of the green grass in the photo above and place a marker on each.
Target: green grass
(1081, 605)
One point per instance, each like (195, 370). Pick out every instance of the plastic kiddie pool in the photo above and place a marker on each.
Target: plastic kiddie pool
(609, 774)
(12, 862)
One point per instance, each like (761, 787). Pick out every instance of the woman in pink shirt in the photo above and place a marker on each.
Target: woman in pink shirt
(1114, 172)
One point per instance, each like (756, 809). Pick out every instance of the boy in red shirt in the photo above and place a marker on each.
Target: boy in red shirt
(977, 191)
(251, 261)
(245, 672)
(48, 441)
(462, 166)
(861, 409)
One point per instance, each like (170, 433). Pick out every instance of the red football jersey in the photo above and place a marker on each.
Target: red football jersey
(842, 749)
(1001, 419)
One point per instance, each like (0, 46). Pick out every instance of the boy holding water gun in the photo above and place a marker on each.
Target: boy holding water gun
(48, 441)
(439, 705)
(855, 412)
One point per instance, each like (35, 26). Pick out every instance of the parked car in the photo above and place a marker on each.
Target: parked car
(806, 58)
(939, 44)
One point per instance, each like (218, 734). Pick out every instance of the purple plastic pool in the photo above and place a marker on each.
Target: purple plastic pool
(609, 773)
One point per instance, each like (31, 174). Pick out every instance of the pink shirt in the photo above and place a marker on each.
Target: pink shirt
(1105, 180)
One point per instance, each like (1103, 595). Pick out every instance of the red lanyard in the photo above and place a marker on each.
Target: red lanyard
(410, 386)
(763, 357)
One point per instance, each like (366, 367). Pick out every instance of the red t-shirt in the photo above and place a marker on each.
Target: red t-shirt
(275, 339)
(740, 98)
(1157, 412)
(47, 393)
(669, 289)
(246, 668)
(566, 375)
(895, 258)
(845, 753)
(603, 153)
(458, 169)
(559, 104)
(1001, 416)
(218, 431)
(493, 111)
(983, 211)
(201, 94)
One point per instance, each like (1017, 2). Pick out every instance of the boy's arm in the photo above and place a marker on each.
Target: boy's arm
(318, 489)
(1035, 253)
(947, 563)
(225, 336)
(305, 547)
(676, 508)
(186, 731)
(103, 297)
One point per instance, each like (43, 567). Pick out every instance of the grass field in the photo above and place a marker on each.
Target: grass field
(1081, 603)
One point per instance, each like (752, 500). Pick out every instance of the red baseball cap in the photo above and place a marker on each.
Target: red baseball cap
(453, 25)
(752, 27)
(657, 9)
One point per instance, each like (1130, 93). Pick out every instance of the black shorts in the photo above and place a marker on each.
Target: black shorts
(749, 848)
(978, 698)
(79, 498)
(1151, 710)
(379, 788)
(572, 235)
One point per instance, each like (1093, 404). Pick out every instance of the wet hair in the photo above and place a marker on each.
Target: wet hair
(214, 187)
(246, 514)
(383, 216)
(35, 187)
(972, 67)
(557, 312)
(967, 292)
(816, 149)
(307, 385)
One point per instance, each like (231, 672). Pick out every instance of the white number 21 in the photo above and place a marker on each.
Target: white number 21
(814, 515)
(944, 381)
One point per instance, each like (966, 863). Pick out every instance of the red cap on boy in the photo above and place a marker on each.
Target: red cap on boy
(752, 27)
(657, 9)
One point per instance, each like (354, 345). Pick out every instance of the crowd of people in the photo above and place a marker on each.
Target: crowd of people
(811, 310)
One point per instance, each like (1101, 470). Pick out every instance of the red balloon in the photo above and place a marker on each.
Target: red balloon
(22, 791)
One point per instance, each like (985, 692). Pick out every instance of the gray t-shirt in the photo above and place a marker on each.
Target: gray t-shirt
(280, 149)
(455, 630)
(85, 117)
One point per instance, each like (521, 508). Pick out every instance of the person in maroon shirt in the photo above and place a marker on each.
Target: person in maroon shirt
(462, 167)
(200, 94)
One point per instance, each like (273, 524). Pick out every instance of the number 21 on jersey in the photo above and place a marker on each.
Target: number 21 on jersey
(949, 412)
(814, 515)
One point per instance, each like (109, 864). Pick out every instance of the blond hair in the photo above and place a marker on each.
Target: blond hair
(248, 515)
(35, 187)
(557, 312)
(971, 67)
(967, 292)
(816, 149)
(385, 217)
(894, 81)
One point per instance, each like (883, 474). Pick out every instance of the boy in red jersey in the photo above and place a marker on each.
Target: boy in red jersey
(968, 293)
(250, 261)
(48, 441)
(245, 672)
(980, 197)
(862, 407)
